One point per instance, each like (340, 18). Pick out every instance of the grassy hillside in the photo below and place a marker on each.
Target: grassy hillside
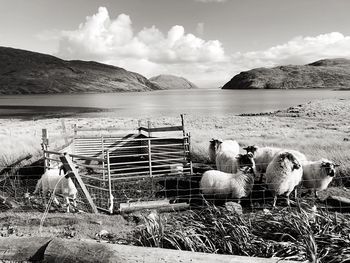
(25, 72)
(172, 82)
(328, 73)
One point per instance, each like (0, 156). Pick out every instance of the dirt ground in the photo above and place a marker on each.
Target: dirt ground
(115, 228)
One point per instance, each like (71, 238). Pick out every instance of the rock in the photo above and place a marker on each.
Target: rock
(234, 207)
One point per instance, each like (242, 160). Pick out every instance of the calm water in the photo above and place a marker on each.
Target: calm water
(174, 102)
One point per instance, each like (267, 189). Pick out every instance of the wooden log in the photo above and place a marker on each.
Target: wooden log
(161, 207)
(23, 249)
(64, 251)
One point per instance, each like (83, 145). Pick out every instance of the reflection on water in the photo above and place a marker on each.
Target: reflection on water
(174, 102)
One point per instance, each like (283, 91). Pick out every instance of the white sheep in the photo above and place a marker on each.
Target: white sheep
(317, 175)
(283, 174)
(52, 181)
(224, 153)
(234, 185)
(264, 155)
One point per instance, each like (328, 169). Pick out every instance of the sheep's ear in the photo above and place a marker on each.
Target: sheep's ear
(336, 165)
(245, 148)
(323, 164)
(220, 140)
(212, 140)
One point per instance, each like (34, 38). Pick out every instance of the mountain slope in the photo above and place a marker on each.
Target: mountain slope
(327, 73)
(172, 82)
(26, 72)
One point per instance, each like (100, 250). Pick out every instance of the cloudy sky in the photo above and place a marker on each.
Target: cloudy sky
(206, 41)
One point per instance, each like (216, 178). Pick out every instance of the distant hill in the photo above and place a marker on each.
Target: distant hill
(172, 82)
(25, 72)
(327, 73)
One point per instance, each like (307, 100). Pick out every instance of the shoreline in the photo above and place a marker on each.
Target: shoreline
(44, 112)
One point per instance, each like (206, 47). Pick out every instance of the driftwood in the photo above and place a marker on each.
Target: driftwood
(161, 205)
(88, 251)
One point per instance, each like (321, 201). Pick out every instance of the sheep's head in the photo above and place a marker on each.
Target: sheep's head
(215, 143)
(245, 160)
(213, 147)
(247, 170)
(251, 149)
(329, 167)
(291, 158)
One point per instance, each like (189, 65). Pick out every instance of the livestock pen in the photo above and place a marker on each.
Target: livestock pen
(115, 167)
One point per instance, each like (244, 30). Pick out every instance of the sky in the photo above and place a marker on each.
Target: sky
(205, 41)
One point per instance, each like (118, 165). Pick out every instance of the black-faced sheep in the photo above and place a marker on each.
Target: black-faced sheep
(224, 153)
(283, 174)
(52, 181)
(235, 185)
(317, 175)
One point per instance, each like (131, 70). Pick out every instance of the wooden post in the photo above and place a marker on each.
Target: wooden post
(69, 165)
(149, 157)
(103, 156)
(149, 128)
(111, 197)
(139, 126)
(189, 152)
(45, 146)
(182, 124)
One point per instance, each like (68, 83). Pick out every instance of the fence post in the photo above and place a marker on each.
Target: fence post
(149, 157)
(103, 156)
(111, 197)
(189, 151)
(149, 128)
(139, 126)
(183, 124)
(45, 146)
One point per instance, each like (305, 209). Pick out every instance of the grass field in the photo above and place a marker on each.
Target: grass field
(320, 129)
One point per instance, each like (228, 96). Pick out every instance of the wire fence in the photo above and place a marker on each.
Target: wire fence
(17, 187)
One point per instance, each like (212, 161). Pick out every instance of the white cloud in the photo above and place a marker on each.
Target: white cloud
(103, 38)
(152, 52)
(149, 51)
(300, 50)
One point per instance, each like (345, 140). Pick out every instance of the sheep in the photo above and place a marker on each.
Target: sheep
(234, 185)
(283, 174)
(52, 181)
(317, 175)
(264, 155)
(224, 153)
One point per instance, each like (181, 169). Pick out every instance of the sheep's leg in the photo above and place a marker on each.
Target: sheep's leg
(55, 200)
(316, 194)
(261, 178)
(274, 201)
(67, 203)
(288, 200)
